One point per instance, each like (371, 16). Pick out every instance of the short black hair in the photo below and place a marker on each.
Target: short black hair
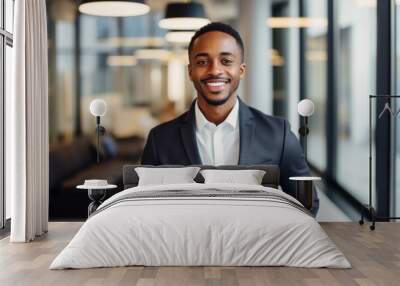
(220, 27)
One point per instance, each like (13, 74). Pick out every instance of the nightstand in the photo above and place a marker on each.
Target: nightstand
(304, 189)
(96, 195)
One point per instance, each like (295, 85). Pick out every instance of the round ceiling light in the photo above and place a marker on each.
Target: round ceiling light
(179, 37)
(184, 16)
(114, 8)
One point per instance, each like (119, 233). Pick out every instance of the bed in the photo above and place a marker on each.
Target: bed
(201, 224)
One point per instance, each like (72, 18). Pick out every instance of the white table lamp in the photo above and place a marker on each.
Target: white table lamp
(98, 108)
(305, 108)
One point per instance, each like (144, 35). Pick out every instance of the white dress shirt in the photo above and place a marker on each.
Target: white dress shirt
(218, 144)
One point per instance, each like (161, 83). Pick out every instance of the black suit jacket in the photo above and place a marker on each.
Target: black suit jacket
(264, 139)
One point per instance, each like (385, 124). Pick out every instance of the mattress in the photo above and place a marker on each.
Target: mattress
(201, 225)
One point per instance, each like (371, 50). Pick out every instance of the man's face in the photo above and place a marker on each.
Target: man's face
(215, 67)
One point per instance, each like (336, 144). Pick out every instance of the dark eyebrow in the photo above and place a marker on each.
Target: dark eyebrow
(206, 55)
(201, 55)
(226, 54)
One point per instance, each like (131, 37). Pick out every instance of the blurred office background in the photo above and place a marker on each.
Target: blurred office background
(324, 50)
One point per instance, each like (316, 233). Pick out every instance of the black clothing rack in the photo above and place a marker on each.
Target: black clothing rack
(369, 210)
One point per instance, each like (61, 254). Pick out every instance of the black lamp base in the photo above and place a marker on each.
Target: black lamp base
(100, 131)
(303, 131)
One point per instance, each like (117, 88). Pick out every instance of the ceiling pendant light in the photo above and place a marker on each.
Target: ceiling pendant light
(179, 37)
(184, 16)
(296, 22)
(114, 8)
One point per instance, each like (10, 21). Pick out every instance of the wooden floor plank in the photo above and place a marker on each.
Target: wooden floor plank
(374, 255)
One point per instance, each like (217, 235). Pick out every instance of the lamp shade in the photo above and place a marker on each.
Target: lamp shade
(98, 107)
(114, 8)
(305, 107)
(184, 16)
(179, 37)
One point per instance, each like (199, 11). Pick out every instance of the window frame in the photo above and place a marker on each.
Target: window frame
(384, 85)
(6, 39)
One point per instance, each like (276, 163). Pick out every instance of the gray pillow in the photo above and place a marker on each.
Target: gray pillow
(163, 176)
(248, 177)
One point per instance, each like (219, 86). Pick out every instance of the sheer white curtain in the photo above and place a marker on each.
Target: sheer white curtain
(27, 147)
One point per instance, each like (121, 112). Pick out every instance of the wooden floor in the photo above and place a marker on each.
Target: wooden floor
(374, 255)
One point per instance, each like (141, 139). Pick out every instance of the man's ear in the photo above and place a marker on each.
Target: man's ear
(242, 70)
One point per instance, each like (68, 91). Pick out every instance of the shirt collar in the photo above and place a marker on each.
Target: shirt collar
(231, 119)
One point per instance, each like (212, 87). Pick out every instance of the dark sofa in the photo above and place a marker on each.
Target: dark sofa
(70, 164)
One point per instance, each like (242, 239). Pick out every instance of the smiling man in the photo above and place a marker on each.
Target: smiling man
(219, 128)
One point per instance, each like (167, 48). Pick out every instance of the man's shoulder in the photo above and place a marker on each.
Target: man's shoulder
(260, 117)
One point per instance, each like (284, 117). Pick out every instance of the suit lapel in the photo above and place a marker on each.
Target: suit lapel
(247, 127)
(188, 135)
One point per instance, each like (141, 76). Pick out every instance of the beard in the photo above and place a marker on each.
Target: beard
(217, 102)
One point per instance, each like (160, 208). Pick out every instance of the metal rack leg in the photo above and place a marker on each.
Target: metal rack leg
(373, 218)
(371, 214)
(361, 221)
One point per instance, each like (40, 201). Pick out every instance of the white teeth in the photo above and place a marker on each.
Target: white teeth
(215, 83)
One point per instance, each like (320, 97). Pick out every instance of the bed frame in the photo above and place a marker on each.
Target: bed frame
(270, 179)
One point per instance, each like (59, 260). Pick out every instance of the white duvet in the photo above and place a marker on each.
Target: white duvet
(200, 231)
